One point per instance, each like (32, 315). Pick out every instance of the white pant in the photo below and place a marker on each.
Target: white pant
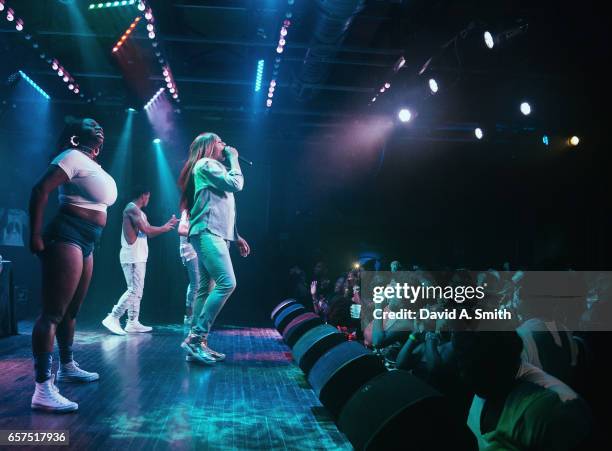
(130, 300)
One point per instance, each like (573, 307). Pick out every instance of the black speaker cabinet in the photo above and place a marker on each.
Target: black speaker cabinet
(287, 315)
(340, 372)
(314, 343)
(396, 410)
(283, 305)
(299, 326)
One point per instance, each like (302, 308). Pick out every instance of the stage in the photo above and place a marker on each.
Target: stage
(149, 397)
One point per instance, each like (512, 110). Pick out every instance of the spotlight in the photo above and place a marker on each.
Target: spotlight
(19, 25)
(574, 141)
(283, 32)
(269, 103)
(1, 5)
(356, 265)
(488, 39)
(149, 15)
(54, 66)
(156, 141)
(404, 115)
(175, 96)
(76, 91)
(141, 6)
(373, 99)
(150, 27)
(71, 86)
(259, 75)
(272, 83)
(387, 85)
(545, 140)
(165, 71)
(60, 72)
(10, 15)
(525, 108)
(399, 64)
(131, 110)
(33, 84)
(279, 49)
(66, 78)
(433, 85)
(478, 133)
(151, 35)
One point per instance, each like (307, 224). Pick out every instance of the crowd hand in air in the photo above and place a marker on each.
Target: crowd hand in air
(243, 247)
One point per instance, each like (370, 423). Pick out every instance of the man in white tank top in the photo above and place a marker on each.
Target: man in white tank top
(133, 257)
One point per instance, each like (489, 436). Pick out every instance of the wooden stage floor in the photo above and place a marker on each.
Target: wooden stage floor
(149, 397)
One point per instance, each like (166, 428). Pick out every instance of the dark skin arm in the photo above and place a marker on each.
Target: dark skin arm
(143, 225)
(53, 178)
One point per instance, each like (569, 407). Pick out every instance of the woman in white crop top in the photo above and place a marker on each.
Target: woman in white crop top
(66, 252)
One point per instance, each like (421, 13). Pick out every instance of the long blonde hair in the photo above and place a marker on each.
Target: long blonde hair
(201, 147)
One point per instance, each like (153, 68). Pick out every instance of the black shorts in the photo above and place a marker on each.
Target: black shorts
(70, 229)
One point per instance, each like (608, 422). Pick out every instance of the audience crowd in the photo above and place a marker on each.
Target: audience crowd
(531, 386)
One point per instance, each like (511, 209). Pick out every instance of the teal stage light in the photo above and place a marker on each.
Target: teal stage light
(34, 85)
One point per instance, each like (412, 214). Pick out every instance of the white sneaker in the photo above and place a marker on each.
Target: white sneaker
(112, 324)
(71, 372)
(135, 327)
(47, 397)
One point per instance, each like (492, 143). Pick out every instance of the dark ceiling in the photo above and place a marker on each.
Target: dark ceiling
(338, 54)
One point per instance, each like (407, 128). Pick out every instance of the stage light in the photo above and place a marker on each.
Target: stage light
(283, 32)
(574, 141)
(259, 75)
(60, 72)
(175, 96)
(54, 66)
(156, 141)
(76, 91)
(488, 39)
(270, 94)
(404, 115)
(71, 86)
(525, 108)
(272, 83)
(433, 85)
(10, 15)
(19, 25)
(151, 35)
(66, 78)
(150, 27)
(165, 71)
(279, 49)
(149, 15)
(387, 85)
(34, 85)
(1, 5)
(356, 265)
(373, 99)
(269, 103)
(131, 110)
(545, 140)
(154, 98)
(141, 6)
(399, 64)
(478, 133)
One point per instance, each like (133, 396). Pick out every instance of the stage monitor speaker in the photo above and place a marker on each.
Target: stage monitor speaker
(314, 343)
(280, 307)
(396, 410)
(288, 315)
(299, 326)
(340, 372)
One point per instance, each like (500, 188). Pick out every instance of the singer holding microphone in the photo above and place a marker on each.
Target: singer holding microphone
(208, 194)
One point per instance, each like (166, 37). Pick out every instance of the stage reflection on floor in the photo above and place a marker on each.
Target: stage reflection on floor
(149, 397)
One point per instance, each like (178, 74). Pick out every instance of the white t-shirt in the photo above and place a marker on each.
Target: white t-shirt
(89, 187)
(138, 251)
(186, 249)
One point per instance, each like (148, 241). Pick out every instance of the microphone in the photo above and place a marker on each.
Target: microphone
(241, 158)
(244, 160)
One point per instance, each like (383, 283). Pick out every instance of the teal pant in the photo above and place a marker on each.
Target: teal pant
(215, 264)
